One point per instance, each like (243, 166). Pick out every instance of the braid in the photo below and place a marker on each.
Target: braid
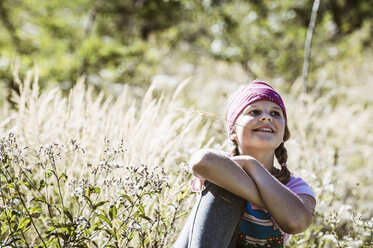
(281, 154)
(235, 151)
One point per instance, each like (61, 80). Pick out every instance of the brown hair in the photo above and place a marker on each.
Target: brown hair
(281, 154)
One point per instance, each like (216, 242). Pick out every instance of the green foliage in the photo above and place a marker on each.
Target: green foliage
(127, 41)
(29, 209)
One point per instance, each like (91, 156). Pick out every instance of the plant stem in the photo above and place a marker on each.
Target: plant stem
(124, 222)
(307, 45)
(171, 224)
(4, 202)
(28, 214)
(23, 235)
(48, 204)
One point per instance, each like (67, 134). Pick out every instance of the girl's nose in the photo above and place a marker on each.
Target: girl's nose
(265, 117)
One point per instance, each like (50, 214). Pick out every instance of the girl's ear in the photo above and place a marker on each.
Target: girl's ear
(233, 135)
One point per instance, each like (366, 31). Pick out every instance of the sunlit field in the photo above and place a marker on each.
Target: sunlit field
(94, 170)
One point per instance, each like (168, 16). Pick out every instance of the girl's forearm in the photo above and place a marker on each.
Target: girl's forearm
(286, 207)
(224, 172)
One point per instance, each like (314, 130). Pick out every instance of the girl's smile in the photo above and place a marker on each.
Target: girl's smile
(264, 129)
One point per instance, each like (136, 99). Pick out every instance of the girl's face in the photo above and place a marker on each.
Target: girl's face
(260, 126)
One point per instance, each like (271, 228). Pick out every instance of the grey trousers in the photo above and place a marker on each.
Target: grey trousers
(214, 220)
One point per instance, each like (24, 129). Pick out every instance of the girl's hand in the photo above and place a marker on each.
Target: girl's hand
(198, 184)
(244, 161)
(198, 181)
(221, 170)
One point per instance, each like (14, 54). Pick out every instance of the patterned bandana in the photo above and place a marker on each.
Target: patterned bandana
(248, 94)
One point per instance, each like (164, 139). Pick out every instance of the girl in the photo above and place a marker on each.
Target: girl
(245, 200)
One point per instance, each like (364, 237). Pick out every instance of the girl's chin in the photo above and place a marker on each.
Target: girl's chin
(264, 140)
(263, 146)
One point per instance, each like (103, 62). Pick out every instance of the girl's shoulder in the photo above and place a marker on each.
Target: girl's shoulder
(299, 186)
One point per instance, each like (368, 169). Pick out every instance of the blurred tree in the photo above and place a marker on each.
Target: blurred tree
(349, 15)
(267, 37)
(106, 40)
(126, 41)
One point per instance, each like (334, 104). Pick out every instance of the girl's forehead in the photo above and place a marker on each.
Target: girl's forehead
(264, 103)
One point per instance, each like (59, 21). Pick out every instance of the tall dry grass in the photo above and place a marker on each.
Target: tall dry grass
(113, 151)
(139, 149)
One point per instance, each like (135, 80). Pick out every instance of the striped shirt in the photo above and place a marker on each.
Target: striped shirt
(258, 228)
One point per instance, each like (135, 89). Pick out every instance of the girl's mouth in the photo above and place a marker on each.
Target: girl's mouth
(264, 129)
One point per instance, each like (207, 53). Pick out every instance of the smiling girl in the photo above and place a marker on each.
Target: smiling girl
(244, 200)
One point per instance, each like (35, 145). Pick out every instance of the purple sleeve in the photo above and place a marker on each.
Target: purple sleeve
(299, 186)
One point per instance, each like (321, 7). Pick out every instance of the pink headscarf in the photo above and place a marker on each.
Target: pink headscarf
(248, 94)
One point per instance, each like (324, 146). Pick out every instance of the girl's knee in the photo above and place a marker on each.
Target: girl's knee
(219, 194)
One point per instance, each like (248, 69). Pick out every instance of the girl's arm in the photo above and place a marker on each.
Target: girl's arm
(292, 213)
(224, 172)
(245, 177)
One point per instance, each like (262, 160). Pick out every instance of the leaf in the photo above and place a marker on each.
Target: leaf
(181, 215)
(112, 212)
(56, 207)
(64, 176)
(88, 199)
(54, 222)
(94, 242)
(51, 229)
(63, 229)
(97, 205)
(8, 186)
(27, 184)
(56, 234)
(68, 214)
(147, 193)
(92, 189)
(96, 226)
(3, 230)
(109, 232)
(35, 212)
(127, 197)
(22, 240)
(105, 219)
(82, 243)
(86, 232)
(10, 241)
(23, 223)
(130, 237)
(64, 232)
(15, 213)
(182, 195)
(48, 173)
(143, 216)
(3, 216)
(141, 209)
(41, 184)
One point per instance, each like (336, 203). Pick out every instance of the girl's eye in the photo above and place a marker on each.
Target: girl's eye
(276, 113)
(254, 112)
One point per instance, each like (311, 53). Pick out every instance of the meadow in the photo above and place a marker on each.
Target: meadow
(89, 169)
